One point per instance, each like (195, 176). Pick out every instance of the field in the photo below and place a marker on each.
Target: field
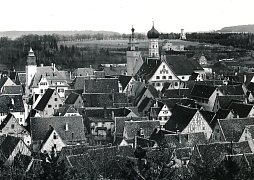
(119, 44)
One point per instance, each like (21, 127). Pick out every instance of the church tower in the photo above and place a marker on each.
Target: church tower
(153, 36)
(31, 69)
(134, 60)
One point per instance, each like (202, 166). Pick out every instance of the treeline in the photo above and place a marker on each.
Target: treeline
(237, 40)
(13, 53)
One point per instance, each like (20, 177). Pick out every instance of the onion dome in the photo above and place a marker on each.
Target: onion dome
(153, 33)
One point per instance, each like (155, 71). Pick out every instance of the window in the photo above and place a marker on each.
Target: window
(176, 83)
(54, 136)
(21, 113)
(163, 77)
(163, 66)
(203, 127)
(157, 77)
(55, 99)
(55, 146)
(153, 84)
(158, 84)
(49, 106)
(41, 91)
(169, 77)
(60, 90)
(12, 126)
(60, 105)
(182, 77)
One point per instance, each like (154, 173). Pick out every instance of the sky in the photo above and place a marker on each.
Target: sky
(120, 15)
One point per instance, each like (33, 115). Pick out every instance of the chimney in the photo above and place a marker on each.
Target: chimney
(54, 67)
(66, 127)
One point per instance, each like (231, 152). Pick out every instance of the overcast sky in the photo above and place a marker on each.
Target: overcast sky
(120, 15)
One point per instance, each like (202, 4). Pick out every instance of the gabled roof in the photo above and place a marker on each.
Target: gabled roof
(171, 102)
(83, 72)
(50, 131)
(202, 91)
(145, 104)
(148, 69)
(124, 80)
(132, 127)
(15, 89)
(50, 74)
(44, 100)
(5, 121)
(220, 114)
(233, 128)
(240, 109)
(250, 87)
(180, 118)
(115, 70)
(176, 93)
(213, 154)
(101, 85)
(153, 91)
(225, 101)
(184, 140)
(181, 65)
(208, 115)
(68, 109)
(193, 76)
(231, 89)
(2, 81)
(7, 146)
(79, 82)
(71, 99)
(11, 103)
(76, 129)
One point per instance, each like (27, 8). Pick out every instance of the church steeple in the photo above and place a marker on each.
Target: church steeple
(132, 45)
(153, 36)
(31, 59)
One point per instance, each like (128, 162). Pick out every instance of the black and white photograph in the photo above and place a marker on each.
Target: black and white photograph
(126, 90)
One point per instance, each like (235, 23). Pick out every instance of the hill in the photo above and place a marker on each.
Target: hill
(16, 34)
(241, 28)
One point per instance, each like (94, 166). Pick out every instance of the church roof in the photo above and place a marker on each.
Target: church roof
(153, 34)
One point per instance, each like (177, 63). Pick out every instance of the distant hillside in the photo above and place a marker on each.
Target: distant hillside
(240, 28)
(15, 34)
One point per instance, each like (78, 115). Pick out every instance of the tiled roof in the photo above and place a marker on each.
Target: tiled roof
(231, 89)
(233, 128)
(143, 142)
(202, 91)
(153, 91)
(11, 103)
(79, 82)
(177, 93)
(71, 99)
(49, 73)
(171, 102)
(68, 109)
(2, 81)
(250, 87)
(83, 72)
(220, 114)
(148, 69)
(213, 154)
(208, 116)
(66, 75)
(5, 121)
(131, 127)
(7, 146)
(158, 134)
(124, 80)
(181, 65)
(184, 140)
(120, 122)
(251, 130)
(145, 104)
(225, 101)
(15, 89)
(105, 99)
(240, 109)
(115, 71)
(180, 118)
(101, 85)
(44, 100)
(75, 132)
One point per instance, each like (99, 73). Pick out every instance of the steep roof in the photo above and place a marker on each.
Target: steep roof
(220, 114)
(115, 70)
(153, 91)
(124, 80)
(3, 81)
(5, 121)
(225, 101)
(148, 69)
(131, 127)
(101, 85)
(71, 99)
(202, 91)
(76, 129)
(180, 118)
(68, 109)
(44, 100)
(231, 89)
(207, 115)
(213, 154)
(50, 74)
(181, 65)
(79, 82)
(240, 109)
(15, 89)
(11, 103)
(233, 128)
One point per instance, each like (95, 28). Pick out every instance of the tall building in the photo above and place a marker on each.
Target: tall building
(134, 59)
(31, 69)
(153, 36)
